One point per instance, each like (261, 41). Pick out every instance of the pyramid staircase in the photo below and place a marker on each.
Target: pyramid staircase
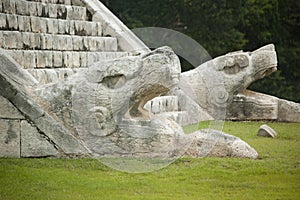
(53, 38)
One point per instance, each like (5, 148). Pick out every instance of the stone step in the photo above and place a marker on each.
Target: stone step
(162, 104)
(57, 59)
(45, 76)
(66, 2)
(20, 23)
(48, 10)
(41, 41)
(180, 117)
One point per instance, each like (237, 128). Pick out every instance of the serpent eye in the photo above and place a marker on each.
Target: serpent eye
(234, 69)
(114, 82)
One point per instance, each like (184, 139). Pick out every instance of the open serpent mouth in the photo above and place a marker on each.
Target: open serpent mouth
(140, 98)
(266, 71)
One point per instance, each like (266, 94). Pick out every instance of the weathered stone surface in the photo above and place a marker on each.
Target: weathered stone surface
(215, 143)
(107, 102)
(29, 59)
(162, 104)
(38, 25)
(108, 112)
(24, 23)
(16, 83)
(288, 111)
(33, 144)
(22, 8)
(266, 131)
(180, 117)
(12, 22)
(213, 84)
(2, 20)
(251, 105)
(9, 138)
(8, 110)
(127, 41)
(9, 7)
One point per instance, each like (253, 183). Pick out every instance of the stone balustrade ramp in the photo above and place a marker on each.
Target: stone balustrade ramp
(19, 110)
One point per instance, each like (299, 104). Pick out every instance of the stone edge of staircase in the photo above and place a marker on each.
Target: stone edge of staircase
(111, 25)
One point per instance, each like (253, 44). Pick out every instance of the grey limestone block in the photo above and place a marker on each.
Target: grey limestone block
(62, 26)
(66, 27)
(266, 131)
(83, 28)
(43, 24)
(97, 29)
(35, 41)
(44, 59)
(32, 8)
(29, 59)
(8, 110)
(75, 60)
(77, 2)
(60, 136)
(46, 41)
(12, 22)
(111, 44)
(288, 111)
(71, 30)
(35, 24)
(62, 42)
(24, 23)
(26, 38)
(67, 2)
(77, 42)
(1, 40)
(67, 59)
(40, 59)
(35, 144)
(57, 59)
(83, 59)
(17, 55)
(76, 13)
(2, 20)
(52, 11)
(39, 9)
(208, 142)
(52, 26)
(9, 6)
(95, 43)
(38, 25)
(9, 138)
(91, 58)
(22, 8)
(251, 105)
(61, 11)
(12, 40)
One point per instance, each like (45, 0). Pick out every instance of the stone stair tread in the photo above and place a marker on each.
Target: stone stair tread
(162, 104)
(56, 59)
(66, 2)
(180, 117)
(45, 76)
(49, 25)
(43, 41)
(49, 10)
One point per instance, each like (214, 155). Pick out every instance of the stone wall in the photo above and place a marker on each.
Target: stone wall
(50, 35)
(50, 39)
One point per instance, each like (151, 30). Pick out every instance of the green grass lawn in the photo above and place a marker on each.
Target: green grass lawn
(275, 175)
